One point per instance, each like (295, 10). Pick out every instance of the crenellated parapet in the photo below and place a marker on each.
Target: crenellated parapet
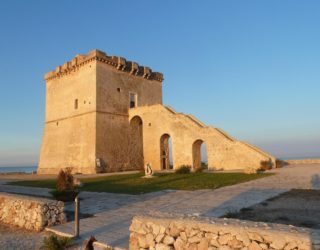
(116, 62)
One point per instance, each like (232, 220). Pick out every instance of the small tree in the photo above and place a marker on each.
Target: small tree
(65, 180)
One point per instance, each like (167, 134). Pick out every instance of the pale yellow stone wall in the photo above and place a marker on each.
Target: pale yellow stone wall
(113, 88)
(69, 133)
(224, 152)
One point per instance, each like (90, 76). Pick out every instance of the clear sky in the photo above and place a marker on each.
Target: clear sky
(249, 67)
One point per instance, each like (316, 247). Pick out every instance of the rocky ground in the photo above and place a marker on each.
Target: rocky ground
(298, 207)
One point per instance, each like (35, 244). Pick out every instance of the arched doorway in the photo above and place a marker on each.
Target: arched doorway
(166, 152)
(199, 154)
(136, 143)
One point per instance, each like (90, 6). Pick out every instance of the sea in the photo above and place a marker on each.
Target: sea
(25, 169)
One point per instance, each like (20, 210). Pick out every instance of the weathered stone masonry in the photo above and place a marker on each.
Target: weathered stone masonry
(210, 234)
(104, 113)
(29, 212)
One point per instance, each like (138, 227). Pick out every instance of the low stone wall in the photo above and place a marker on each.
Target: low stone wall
(224, 234)
(30, 212)
(303, 161)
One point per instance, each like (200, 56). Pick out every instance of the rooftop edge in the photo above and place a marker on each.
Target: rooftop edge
(117, 62)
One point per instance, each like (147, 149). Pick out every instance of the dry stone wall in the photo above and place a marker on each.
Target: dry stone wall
(223, 234)
(303, 161)
(29, 212)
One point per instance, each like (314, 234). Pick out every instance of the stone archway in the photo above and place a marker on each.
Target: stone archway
(198, 154)
(136, 143)
(165, 152)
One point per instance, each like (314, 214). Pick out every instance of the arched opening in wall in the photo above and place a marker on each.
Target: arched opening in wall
(166, 160)
(199, 155)
(135, 143)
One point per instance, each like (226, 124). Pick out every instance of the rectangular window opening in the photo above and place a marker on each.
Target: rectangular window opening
(76, 104)
(133, 100)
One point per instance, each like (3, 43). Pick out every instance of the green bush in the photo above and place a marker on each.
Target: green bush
(54, 242)
(183, 169)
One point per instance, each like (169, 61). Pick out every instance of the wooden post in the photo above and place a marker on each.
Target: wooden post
(76, 217)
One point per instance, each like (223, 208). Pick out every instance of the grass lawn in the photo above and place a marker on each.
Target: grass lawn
(134, 184)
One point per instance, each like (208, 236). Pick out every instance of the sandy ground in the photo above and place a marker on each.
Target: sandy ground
(298, 207)
(14, 238)
(17, 238)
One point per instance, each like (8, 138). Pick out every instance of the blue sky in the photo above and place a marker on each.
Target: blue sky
(249, 67)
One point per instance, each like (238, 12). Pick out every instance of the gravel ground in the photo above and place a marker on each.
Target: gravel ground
(298, 207)
(12, 238)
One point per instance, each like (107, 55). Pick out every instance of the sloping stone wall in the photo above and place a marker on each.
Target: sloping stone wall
(226, 234)
(29, 212)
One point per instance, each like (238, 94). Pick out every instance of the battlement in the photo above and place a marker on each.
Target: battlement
(119, 63)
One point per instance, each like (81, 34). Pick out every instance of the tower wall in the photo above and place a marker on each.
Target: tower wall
(114, 143)
(69, 138)
(87, 103)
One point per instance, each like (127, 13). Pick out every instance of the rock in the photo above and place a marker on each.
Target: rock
(224, 239)
(168, 240)
(150, 240)
(133, 241)
(179, 244)
(203, 244)
(194, 239)
(183, 236)
(254, 246)
(242, 236)
(255, 237)
(214, 243)
(224, 248)
(263, 246)
(278, 242)
(235, 244)
(174, 231)
(162, 247)
(155, 229)
(159, 238)
(192, 246)
(142, 241)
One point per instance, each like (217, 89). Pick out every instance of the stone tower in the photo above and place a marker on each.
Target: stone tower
(87, 123)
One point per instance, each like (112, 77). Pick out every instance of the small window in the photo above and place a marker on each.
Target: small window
(76, 104)
(133, 100)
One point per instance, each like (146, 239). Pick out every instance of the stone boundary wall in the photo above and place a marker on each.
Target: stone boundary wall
(303, 161)
(30, 212)
(224, 234)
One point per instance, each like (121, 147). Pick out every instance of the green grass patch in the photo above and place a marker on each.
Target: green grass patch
(134, 184)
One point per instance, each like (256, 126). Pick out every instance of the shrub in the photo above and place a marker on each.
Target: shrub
(199, 170)
(183, 169)
(280, 163)
(65, 180)
(68, 195)
(265, 165)
(54, 242)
